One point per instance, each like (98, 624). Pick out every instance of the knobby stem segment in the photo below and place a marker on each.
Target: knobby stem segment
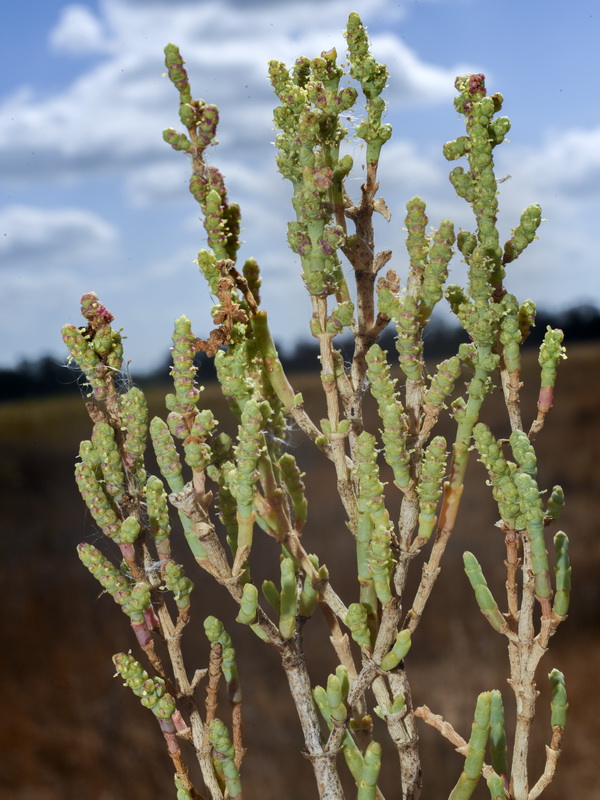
(226, 492)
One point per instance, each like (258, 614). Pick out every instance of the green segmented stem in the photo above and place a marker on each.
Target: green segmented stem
(558, 705)
(166, 454)
(169, 464)
(272, 595)
(480, 730)
(151, 691)
(182, 792)
(551, 352)
(158, 516)
(224, 753)
(483, 595)
(398, 651)
(235, 370)
(501, 472)
(510, 333)
(370, 505)
(431, 485)
(527, 312)
(104, 340)
(532, 517)
(183, 370)
(409, 343)
(288, 599)
(271, 361)
(391, 412)
(498, 735)
(177, 72)
(86, 359)
(435, 271)
(128, 531)
(352, 754)
(372, 77)
(309, 596)
(292, 477)
(524, 233)
(308, 156)
(442, 383)
(133, 412)
(178, 583)
(215, 632)
(524, 452)
(110, 578)
(381, 562)
(243, 480)
(105, 443)
(98, 503)
(335, 699)
(556, 503)
(496, 788)
(367, 788)
(133, 598)
(417, 242)
(356, 620)
(249, 605)
(562, 572)
(134, 601)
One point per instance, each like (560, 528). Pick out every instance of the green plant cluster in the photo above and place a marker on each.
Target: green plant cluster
(225, 493)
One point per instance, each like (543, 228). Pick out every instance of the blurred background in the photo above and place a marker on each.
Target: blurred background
(71, 730)
(93, 199)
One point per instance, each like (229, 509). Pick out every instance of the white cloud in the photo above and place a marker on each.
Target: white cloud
(77, 31)
(111, 117)
(565, 166)
(39, 235)
(100, 136)
(160, 182)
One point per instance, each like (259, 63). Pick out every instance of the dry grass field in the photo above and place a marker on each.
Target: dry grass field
(70, 731)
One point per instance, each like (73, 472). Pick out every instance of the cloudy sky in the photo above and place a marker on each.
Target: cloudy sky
(92, 198)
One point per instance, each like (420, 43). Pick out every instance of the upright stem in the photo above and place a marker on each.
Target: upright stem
(323, 763)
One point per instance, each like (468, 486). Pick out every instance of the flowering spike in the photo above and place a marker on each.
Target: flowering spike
(104, 441)
(177, 583)
(224, 753)
(215, 632)
(133, 412)
(524, 233)
(500, 471)
(99, 505)
(158, 516)
(391, 412)
(431, 485)
(166, 454)
(523, 452)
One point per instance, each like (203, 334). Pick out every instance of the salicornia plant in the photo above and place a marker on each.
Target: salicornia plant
(226, 493)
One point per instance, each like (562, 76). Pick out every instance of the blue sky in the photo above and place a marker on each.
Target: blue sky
(91, 197)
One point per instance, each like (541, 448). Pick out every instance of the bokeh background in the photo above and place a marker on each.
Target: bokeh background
(91, 198)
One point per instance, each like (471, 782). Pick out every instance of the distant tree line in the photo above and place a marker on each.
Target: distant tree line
(48, 376)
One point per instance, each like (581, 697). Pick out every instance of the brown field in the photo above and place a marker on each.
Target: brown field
(70, 731)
